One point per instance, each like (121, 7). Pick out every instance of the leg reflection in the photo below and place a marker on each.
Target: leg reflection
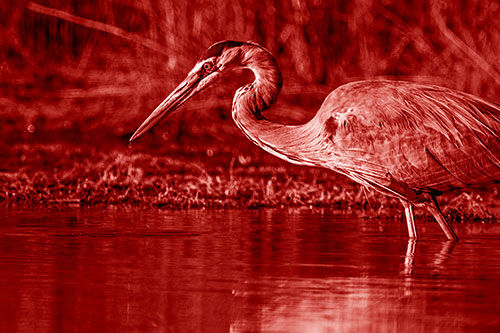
(410, 257)
(443, 255)
(437, 263)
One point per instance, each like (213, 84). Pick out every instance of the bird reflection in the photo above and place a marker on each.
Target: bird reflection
(437, 264)
(440, 258)
(411, 249)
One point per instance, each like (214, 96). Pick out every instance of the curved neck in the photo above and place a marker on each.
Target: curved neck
(263, 92)
(287, 142)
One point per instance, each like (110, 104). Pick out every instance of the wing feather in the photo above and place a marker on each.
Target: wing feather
(427, 137)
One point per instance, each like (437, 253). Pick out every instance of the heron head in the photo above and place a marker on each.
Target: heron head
(219, 58)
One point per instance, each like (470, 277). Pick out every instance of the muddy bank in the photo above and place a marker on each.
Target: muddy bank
(69, 174)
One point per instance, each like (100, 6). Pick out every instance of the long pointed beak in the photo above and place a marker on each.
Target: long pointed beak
(182, 93)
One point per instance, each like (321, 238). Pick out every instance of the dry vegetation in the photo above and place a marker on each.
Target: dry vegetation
(79, 76)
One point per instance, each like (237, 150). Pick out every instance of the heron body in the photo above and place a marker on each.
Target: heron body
(406, 140)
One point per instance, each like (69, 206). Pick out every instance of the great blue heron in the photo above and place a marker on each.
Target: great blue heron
(406, 140)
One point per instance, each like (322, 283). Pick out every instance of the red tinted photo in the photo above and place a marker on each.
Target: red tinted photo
(249, 166)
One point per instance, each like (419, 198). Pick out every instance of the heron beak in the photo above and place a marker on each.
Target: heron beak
(181, 94)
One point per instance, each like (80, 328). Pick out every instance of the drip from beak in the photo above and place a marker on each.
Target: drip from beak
(181, 94)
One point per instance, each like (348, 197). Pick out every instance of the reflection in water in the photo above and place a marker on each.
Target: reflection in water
(443, 255)
(410, 256)
(260, 270)
(439, 259)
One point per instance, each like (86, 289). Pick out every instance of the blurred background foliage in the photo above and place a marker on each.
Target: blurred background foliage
(84, 70)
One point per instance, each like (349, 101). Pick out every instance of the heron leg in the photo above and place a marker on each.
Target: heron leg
(434, 209)
(410, 219)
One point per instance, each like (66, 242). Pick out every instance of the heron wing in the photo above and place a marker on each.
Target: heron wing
(424, 137)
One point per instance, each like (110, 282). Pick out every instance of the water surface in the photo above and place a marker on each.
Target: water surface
(250, 270)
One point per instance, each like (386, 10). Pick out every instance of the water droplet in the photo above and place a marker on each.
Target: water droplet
(31, 128)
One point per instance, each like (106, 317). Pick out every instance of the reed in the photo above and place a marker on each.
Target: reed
(99, 66)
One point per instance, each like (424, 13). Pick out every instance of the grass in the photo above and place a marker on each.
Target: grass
(125, 177)
(60, 175)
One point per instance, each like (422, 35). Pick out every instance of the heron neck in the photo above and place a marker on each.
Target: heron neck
(287, 142)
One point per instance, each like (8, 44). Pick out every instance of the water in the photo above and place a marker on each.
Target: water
(257, 270)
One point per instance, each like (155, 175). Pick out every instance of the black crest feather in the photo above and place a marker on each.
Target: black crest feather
(216, 49)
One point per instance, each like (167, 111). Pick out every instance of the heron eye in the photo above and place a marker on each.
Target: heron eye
(207, 66)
